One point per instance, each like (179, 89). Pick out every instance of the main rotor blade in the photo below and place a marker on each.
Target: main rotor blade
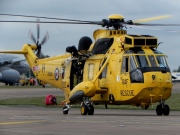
(96, 23)
(136, 22)
(141, 27)
(44, 17)
(148, 24)
(151, 19)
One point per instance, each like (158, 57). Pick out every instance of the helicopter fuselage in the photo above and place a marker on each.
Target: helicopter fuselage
(117, 68)
(120, 69)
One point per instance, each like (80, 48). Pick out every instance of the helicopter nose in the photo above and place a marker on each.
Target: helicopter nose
(77, 95)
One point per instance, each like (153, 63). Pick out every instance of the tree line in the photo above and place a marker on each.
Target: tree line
(176, 70)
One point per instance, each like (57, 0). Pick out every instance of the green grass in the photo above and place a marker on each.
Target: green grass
(173, 102)
(37, 101)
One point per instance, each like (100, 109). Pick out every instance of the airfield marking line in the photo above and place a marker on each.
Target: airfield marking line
(20, 122)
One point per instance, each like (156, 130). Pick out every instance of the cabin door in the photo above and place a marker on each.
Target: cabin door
(125, 78)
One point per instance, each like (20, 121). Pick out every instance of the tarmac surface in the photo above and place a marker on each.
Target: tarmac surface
(33, 120)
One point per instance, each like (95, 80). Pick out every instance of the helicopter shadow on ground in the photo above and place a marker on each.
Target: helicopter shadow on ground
(126, 115)
(115, 112)
(122, 112)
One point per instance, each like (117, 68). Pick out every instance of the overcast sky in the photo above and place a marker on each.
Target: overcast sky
(14, 35)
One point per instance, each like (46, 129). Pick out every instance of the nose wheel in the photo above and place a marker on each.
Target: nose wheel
(66, 109)
(162, 109)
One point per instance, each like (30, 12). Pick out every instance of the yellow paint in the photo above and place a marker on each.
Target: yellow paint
(116, 16)
(151, 19)
(20, 122)
(104, 78)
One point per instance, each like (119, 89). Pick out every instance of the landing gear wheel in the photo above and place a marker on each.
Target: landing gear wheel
(91, 110)
(166, 110)
(65, 109)
(159, 110)
(84, 109)
(87, 106)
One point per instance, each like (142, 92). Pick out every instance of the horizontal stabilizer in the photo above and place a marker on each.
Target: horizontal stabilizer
(15, 52)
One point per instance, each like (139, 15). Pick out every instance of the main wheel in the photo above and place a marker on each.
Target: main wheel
(91, 110)
(166, 110)
(159, 110)
(84, 109)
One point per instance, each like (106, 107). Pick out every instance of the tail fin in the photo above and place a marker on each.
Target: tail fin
(27, 51)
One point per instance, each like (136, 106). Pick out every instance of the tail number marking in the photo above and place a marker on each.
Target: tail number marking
(127, 92)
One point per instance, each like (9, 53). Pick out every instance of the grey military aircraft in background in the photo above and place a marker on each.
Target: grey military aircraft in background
(11, 67)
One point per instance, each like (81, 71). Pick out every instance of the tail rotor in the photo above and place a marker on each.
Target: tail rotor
(39, 54)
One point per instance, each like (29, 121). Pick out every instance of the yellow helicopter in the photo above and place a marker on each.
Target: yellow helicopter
(116, 69)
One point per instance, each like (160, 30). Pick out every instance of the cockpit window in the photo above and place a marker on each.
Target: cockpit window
(102, 45)
(132, 63)
(137, 58)
(161, 61)
(125, 64)
(141, 61)
(152, 61)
